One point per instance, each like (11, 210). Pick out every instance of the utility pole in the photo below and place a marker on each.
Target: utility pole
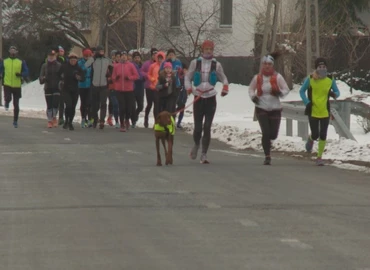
(270, 25)
(1, 49)
(312, 26)
(102, 22)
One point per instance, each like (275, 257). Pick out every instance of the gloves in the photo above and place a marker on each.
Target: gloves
(78, 77)
(225, 90)
(118, 77)
(127, 78)
(18, 74)
(256, 100)
(189, 91)
(332, 94)
(110, 81)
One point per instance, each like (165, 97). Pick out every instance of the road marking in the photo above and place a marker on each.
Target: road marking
(295, 243)
(23, 153)
(133, 152)
(248, 223)
(47, 132)
(67, 139)
(236, 153)
(212, 205)
(182, 192)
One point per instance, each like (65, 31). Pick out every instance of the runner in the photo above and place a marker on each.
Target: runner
(102, 70)
(204, 72)
(138, 90)
(183, 97)
(12, 70)
(153, 75)
(61, 59)
(50, 76)
(177, 70)
(85, 89)
(72, 74)
(319, 89)
(148, 92)
(167, 89)
(113, 103)
(124, 76)
(265, 91)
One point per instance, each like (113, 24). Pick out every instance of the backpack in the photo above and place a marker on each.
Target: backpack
(198, 73)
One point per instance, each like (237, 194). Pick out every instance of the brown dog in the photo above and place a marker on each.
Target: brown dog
(164, 130)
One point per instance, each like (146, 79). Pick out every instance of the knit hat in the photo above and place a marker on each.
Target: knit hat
(268, 59)
(136, 54)
(99, 48)
(320, 61)
(167, 64)
(51, 52)
(60, 48)
(13, 48)
(113, 52)
(72, 56)
(208, 43)
(153, 51)
(118, 53)
(124, 52)
(87, 52)
(171, 51)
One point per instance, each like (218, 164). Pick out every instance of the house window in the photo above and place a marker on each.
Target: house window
(175, 13)
(226, 18)
(84, 14)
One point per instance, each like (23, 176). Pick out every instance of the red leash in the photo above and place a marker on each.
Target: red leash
(191, 103)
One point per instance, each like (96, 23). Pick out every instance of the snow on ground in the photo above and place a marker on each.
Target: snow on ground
(234, 125)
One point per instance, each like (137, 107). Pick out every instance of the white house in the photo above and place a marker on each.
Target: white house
(232, 24)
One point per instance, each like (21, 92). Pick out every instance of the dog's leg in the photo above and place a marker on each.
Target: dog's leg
(159, 161)
(165, 150)
(170, 147)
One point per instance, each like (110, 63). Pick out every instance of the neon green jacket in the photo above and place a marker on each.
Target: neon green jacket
(171, 128)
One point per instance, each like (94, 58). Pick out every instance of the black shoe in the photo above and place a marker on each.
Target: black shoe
(65, 125)
(267, 161)
(70, 126)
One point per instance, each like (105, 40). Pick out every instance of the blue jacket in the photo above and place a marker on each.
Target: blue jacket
(139, 84)
(88, 73)
(176, 66)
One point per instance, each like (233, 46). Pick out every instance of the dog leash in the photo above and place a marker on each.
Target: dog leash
(194, 101)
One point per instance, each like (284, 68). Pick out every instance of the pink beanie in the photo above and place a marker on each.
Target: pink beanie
(167, 64)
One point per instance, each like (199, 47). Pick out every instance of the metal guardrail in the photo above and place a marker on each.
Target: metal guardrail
(341, 116)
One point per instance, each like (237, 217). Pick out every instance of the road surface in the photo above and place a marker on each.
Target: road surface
(93, 199)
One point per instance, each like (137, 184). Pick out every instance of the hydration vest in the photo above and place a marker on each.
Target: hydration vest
(198, 73)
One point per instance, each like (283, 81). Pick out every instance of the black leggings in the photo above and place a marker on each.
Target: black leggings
(203, 109)
(167, 104)
(270, 124)
(52, 97)
(61, 105)
(138, 106)
(126, 101)
(319, 127)
(151, 98)
(17, 94)
(70, 99)
(99, 95)
(85, 107)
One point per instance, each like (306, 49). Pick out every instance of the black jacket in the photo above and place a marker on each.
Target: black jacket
(163, 90)
(50, 74)
(69, 76)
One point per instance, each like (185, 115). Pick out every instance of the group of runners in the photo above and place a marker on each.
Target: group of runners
(119, 83)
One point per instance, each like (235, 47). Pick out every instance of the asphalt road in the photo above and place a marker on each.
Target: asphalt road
(92, 199)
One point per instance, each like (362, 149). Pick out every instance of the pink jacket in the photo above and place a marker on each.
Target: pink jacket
(124, 75)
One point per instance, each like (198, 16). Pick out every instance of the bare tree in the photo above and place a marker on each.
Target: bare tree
(72, 17)
(198, 21)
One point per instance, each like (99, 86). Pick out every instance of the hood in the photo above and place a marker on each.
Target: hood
(162, 54)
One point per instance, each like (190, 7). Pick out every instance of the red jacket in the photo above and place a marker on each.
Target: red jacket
(124, 75)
